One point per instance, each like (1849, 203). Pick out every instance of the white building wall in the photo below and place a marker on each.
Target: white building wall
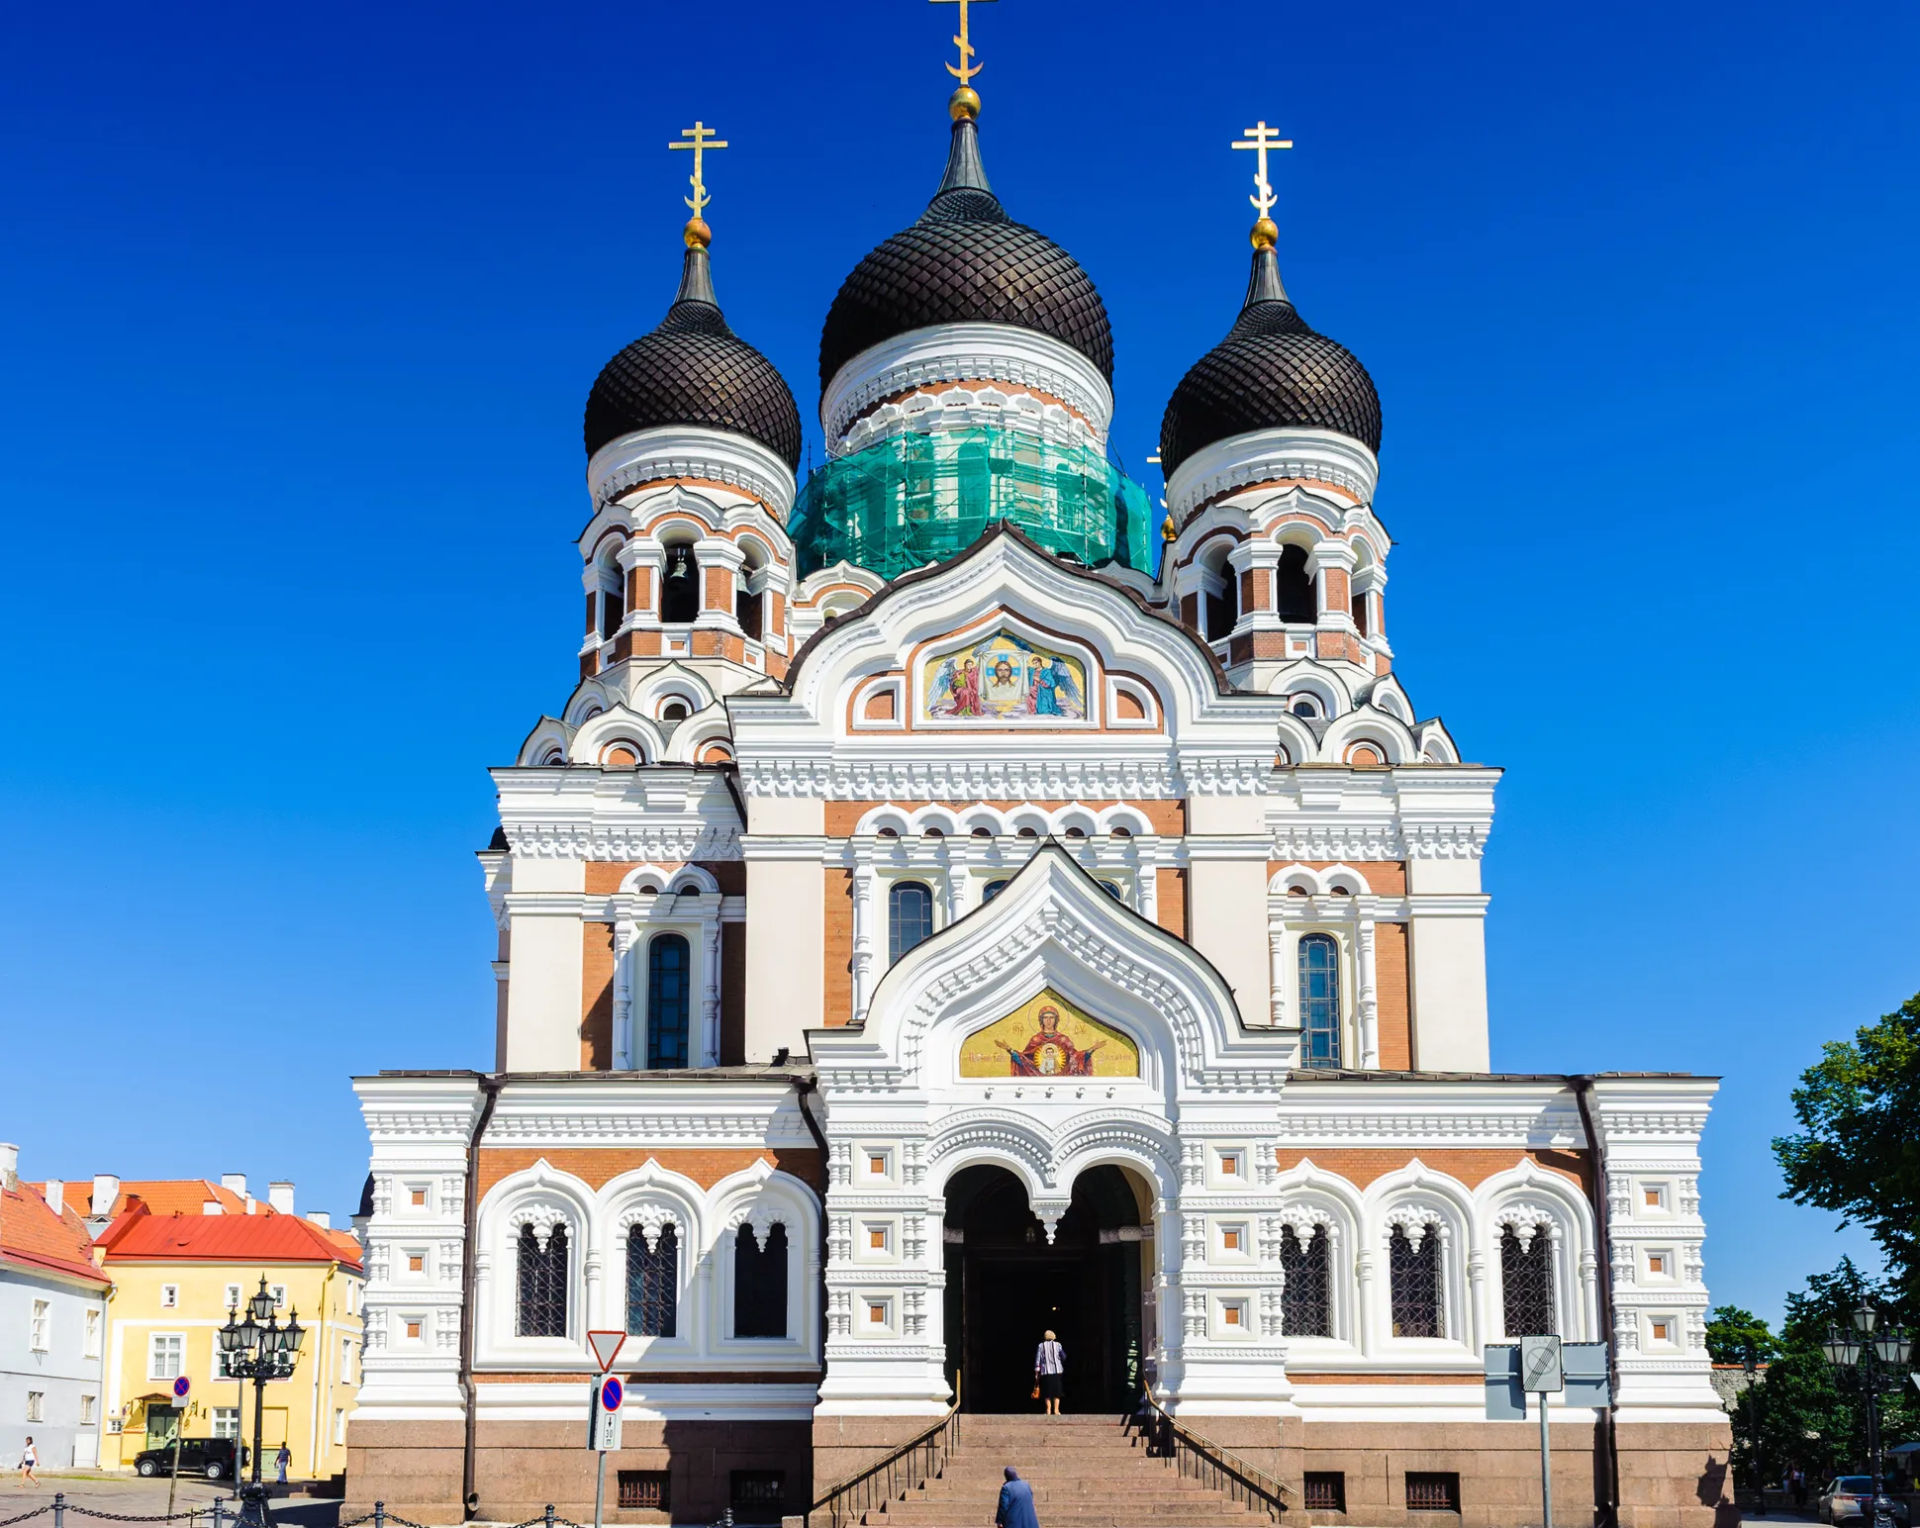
(63, 1375)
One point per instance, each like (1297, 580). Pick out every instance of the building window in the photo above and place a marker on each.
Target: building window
(1414, 1267)
(1325, 1491)
(1319, 1001)
(669, 971)
(542, 1306)
(1293, 588)
(166, 1352)
(1306, 1298)
(91, 1348)
(36, 1405)
(993, 889)
(339, 1424)
(279, 1293)
(417, 1198)
(653, 1283)
(646, 1490)
(613, 604)
(759, 1496)
(760, 1283)
(1433, 1491)
(87, 1404)
(747, 607)
(42, 1319)
(226, 1421)
(909, 917)
(1526, 1283)
(680, 590)
(169, 1296)
(346, 1360)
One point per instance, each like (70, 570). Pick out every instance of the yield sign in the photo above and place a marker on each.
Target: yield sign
(606, 1347)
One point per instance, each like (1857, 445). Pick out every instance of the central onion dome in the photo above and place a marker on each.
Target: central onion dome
(965, 261)
(693, 370)
(1272, 371)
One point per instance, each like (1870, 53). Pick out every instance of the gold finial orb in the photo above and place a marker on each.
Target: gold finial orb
(697, 234)
(1167, 532)
(1265, 234)
(964, 104)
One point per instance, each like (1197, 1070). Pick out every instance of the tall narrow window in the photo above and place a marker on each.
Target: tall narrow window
(760, 1283)
(909, 917)
(1306, 1299)
(1293, 588)
(1221, 614)
(653, 1283)
(746, 609)
(1319, 1001)
(542, 1305)
(613, 604)
(1362, 614)
(1414, 1267)
(1526, 1283)
(976, 487)
(669, 969)
(680, 590)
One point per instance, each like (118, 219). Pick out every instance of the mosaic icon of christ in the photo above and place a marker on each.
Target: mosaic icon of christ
(1050, 1053)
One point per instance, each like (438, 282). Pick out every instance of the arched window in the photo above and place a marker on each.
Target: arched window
(674, 711)
(1526, 1283)
(653, 1283)
(909, 917)
(1319, 1001)
(541, 1310)
(1112, 889)
(669, 971)
(749, 603)
(1221, 605)
(760, 1283)
(613, 604)
(1293, 593)
(1414, 1267)
(680, 591)
(1306, 1299)
(994, 888)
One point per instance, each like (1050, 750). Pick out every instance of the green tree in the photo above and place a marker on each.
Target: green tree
(1731, 1331)
(1858, 1150)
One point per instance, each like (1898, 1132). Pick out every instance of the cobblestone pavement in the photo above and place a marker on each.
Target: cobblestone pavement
(128, 1495)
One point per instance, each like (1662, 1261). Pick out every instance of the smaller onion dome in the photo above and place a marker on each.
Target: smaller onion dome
(1272, 371)
(694, 370)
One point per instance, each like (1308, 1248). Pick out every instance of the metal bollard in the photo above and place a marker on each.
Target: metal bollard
(379, 1514)
(549, 1515)
(216, 1512)
(59, 1509)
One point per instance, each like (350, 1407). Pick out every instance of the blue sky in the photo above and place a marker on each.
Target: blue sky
(301, 309)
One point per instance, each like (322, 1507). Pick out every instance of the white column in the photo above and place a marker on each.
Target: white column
(623, 1036)
(1146, 875)
(710, 998)
(1368, 996)
(1477, 1292)
(956, 890)
(864, 886)
(1277, 954)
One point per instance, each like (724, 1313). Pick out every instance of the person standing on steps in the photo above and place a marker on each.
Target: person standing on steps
(1050, 1369)
(1016, 1503)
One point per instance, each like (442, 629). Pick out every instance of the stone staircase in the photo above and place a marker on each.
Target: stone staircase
(1086, 1472)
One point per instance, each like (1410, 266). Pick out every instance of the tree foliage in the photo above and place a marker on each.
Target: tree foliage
(1731, 1331)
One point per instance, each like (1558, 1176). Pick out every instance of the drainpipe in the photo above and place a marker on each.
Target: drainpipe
(1603, 1250)
(490, 1095)
(809, 1087)
(321, 1414)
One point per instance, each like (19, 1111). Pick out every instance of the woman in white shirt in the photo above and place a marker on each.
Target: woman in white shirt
(29, 1457)
(1049, 1370)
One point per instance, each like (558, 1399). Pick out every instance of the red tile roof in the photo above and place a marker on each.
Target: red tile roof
(31, 1234)
(164, 1196)
(240, 1238)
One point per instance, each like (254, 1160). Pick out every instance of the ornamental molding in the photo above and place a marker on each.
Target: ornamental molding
(1338, 841)
(761, 1217)
(1011, 778)
(958, 408)
(1415, 1220)
(652, 1218)
(644, 1124)
(545, 1219)
(589, 840)
(1526, 1221)
(965, 353)
(685, 451)
(1305, 1220)
(1534, 1128)
(1445, 840)
(1272, 456)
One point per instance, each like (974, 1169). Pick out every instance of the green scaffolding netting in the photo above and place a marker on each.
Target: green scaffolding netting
(914, 499)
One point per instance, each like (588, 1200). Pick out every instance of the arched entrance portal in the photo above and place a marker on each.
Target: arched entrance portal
(1006, 1285)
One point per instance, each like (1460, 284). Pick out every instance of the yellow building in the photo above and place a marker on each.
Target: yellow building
(178, 1267)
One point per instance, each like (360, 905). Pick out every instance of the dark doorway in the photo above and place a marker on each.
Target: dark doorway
(1007, 1285)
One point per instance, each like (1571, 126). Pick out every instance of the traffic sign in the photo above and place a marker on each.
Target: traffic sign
(180, 1388)
(603, 1416)
(1540, 1370)
(606, 1347)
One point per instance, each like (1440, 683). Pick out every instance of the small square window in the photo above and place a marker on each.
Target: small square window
(1433, 1491)
(879, 1163)
(413, 1330)
(646, 1490)
(1325, 1491)
(279, 1293)
(1231, 1313)
(231, 1300)
(1661, 1330)
(416, 1262)
(417, 1197)
(758, 1496)
(1233, 1239)
(876, 1312)
(877, 1238)
(1654, 1196)
(1657, 1264)
(1231, 1163)
(169, 1296)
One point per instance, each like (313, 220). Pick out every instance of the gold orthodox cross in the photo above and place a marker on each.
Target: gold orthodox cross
(701, 139)
(1260, 138)
(967, 69)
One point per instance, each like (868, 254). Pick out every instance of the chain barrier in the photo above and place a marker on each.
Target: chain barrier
(7, 1522)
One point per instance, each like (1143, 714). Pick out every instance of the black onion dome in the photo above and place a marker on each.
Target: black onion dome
(966, 261)
(1272, 371)
(694, 370)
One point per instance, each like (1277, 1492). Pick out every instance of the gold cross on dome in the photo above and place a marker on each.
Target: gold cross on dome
(702, 140)
(1260, 138)
(967, 69)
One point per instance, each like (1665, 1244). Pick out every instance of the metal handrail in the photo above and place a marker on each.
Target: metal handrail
(1206, 1461)
(907, 1468)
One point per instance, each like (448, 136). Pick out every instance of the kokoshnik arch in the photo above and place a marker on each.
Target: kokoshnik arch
(956, 901)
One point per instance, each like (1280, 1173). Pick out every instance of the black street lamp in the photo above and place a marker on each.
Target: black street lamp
(259, 1348)
(1878, 1356)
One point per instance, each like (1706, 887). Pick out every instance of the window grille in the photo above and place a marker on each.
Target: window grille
(669, 968)
(1433, 1491)
(760, 1283)
(1415, 1273)
(543, 1284)
(646, 1490)
(909, 917)
(1319, 1001)
(653, 1283)
(758, 1496)
(1325, 1490)
(1306, 1299)
(1526, 1282)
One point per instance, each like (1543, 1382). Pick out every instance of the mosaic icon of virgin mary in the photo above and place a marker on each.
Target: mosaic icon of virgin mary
(1050, 1053)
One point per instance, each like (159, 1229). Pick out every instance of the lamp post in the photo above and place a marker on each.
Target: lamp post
(1878, 1356)
(259, 1348)
(1750, 1362)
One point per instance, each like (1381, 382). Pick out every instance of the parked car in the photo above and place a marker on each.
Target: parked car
(1849, 1499)
(210, 1457)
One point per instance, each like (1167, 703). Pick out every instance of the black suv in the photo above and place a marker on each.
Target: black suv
(211, 1457)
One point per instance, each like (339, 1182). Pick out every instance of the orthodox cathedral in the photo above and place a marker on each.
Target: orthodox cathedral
(964, 898)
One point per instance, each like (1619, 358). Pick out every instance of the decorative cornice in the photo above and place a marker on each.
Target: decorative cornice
(1445, 840)
(1268, 456)
(586, 839)
(683, 451)
(1009, 778)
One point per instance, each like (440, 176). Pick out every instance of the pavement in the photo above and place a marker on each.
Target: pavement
(89, 1493)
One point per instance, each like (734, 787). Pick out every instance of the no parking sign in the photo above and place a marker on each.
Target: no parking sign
(603, 1421)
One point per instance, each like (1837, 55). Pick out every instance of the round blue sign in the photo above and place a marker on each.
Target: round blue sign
(181, 1387)
(611, 1394)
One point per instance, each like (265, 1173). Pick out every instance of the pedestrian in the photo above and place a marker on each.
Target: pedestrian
(1016, 1503)
(29, 1457)
(280, 1462)
(1050, 1369)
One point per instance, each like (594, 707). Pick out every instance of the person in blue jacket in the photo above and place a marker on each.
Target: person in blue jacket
(1016, 1503)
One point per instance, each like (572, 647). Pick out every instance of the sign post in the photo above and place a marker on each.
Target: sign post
(180, 1388)
(603, 1414)
(1542, 1374)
